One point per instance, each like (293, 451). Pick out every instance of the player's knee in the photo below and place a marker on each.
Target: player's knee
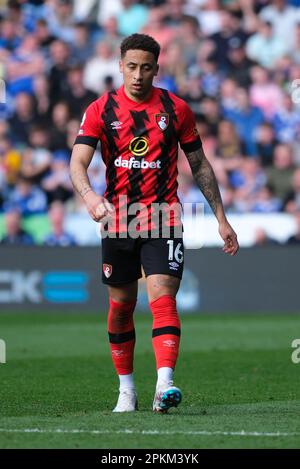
(120, 315)
(123, 295)
(154, 296)
(123, 298)
(162, 285)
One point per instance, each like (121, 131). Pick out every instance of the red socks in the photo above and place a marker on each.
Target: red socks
(165, 331)
(121, 335)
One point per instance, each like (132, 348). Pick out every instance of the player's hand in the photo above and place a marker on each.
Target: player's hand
(97, 206)
(231, 245)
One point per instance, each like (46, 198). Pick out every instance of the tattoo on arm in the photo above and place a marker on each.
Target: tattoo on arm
(85, 190)
(80, 181)
(80, 161)
(205, 179)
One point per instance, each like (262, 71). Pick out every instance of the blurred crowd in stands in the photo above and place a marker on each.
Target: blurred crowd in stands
(235, 62)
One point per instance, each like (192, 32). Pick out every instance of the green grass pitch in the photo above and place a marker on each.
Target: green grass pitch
(240, 387)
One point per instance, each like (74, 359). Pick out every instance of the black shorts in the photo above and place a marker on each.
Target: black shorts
(122, 259)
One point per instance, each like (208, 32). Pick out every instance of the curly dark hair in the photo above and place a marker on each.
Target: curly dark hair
(140, 42)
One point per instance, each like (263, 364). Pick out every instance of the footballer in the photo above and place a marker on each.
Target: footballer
(139, 127)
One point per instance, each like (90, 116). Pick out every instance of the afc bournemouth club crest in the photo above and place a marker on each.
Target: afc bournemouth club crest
(162, 121)
(107, 270)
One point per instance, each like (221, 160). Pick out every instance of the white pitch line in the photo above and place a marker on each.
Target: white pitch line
(149, 432)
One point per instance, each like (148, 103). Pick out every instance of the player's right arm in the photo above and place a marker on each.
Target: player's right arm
(82, 154)
(97, 206)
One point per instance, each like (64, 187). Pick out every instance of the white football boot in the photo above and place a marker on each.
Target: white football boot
(127, 401)
(166, 396)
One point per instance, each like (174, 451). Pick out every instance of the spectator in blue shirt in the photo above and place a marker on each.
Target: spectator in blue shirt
(9, 37)
(30, 199)
(287, 121)
(266, 202)
(246, 119)
(15, 235)
(58, 237)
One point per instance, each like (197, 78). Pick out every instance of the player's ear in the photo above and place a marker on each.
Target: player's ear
(121, 65)
(157, 69)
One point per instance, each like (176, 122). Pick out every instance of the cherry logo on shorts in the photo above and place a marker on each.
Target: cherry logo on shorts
(107, 270)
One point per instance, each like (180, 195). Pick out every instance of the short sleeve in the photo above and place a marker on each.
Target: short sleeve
(189, 138)
(90, 128)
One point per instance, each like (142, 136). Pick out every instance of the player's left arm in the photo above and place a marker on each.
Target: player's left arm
(204, 175)
(206, 181)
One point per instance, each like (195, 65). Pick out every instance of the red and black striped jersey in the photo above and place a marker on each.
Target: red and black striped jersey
(139, 143)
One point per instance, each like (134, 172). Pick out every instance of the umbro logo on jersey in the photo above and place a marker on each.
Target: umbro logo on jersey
(116, 125)
(137, 164)
(173, 265)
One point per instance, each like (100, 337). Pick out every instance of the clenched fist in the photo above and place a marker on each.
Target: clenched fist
(97, 206)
